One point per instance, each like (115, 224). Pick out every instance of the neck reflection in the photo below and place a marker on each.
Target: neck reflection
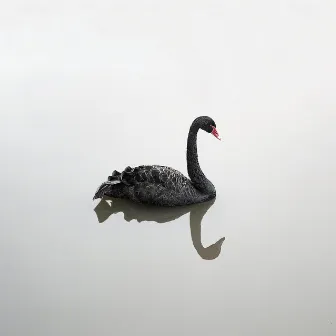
(139, 212)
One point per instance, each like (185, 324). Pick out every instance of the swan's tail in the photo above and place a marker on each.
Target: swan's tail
(115, 178)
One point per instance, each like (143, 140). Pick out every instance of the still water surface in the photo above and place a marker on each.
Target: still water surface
(91, 89)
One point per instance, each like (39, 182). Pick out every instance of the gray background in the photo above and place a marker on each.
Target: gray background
(91, 86)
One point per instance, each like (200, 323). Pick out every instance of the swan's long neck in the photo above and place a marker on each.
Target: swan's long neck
(194, 170)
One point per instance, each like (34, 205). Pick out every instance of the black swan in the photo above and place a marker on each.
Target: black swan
(161, 185)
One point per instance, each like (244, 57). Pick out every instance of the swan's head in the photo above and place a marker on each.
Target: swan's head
(208, 125)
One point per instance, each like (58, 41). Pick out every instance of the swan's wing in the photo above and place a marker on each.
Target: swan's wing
(159, 185)
(155, 177)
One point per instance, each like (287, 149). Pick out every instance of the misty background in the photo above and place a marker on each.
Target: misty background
(87, 87)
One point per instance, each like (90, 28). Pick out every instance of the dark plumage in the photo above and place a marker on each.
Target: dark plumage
(161, 185)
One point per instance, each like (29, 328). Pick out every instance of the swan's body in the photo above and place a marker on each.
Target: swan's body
(161, 185)
(158, 185)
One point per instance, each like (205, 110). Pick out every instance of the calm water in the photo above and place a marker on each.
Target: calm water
(97, 87)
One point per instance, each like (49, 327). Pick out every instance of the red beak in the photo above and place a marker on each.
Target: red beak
(215, 133)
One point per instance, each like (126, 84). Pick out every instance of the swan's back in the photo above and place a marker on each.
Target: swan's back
(157, 175)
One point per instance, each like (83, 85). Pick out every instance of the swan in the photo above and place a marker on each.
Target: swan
(162, 185)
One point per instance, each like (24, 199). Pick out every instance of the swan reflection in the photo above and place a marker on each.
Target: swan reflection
(139, 212)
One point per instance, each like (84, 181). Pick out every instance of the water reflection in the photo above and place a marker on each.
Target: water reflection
(133, 211)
